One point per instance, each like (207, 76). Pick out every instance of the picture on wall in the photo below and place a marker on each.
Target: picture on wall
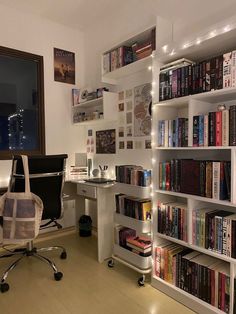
(106, 142)
(142, 110)
(64, 66)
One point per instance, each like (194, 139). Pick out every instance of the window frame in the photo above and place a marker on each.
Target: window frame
(5, 51)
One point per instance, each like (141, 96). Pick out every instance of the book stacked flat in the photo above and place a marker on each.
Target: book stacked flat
(140, 245)
(172, 220)
(173, 133)
(215, 230)
(212, 74)
(132, 174)
(197, 177)
(133, 207)
(203, 276)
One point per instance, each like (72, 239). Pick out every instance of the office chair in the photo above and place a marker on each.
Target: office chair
(46, 180)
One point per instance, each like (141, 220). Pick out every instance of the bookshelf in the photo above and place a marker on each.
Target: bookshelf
(188, 107)
(141, 264)
(96, 111)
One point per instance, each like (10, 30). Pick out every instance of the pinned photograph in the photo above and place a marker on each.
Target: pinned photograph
(138, 144)
(148, 144)
(128, 93)
(121, 145)
(129, 119)
(64, 66)
(121, 107)
(121, 96)
(129, 145)
(129, 105)
(90, 132)
(106, 142)
(129, 130)
(121, 131)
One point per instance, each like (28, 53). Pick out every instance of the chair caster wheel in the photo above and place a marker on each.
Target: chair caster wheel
(4, 287)
(58, 276)
(141, 282)
(63, 255)
(110, 263)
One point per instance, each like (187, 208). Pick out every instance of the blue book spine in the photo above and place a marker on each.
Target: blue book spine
(201, 130)
(160, 133)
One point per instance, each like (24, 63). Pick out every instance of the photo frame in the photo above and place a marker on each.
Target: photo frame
(64, 66)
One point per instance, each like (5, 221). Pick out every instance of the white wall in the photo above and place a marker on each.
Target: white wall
(39, 36)
(32, 34)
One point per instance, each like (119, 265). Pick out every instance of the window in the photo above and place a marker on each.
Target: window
(22, 129)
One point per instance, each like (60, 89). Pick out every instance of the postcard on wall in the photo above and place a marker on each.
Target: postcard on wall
(129, 145)
(129, 118)
(121, 107)
(64, 66)
(129, 131)
(121, 96)
(138, 145)
(121, 145)
(128, 93)
(142, 110)
(106, 142)
(148, 144)
(129, 105)
(121, 131)
(121, 118)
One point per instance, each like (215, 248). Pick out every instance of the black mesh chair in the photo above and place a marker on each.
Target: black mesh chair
(46, 180)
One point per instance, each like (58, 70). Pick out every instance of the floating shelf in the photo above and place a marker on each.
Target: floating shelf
(90, 103)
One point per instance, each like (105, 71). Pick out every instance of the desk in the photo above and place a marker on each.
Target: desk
(104, 197)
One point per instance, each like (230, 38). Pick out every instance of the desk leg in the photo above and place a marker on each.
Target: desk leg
(105, 212)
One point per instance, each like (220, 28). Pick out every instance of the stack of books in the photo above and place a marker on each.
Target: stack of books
(134, 207)
(172, 220)
(132, 174)
(140, 245)
(212, 74)
(215, 230)
(173, 133)
(203, 276)
(122, 233)
(197, 177)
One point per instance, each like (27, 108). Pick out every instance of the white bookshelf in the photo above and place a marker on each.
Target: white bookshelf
(105, 105)
(188, 107)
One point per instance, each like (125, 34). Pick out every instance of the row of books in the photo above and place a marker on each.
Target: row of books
(133, 206)
(124, 55)
(127, 238)
(215, 128)
(172, 220)
(173, 133)
(215, 230)
(134, 175)
(203, 276)
(216, 73)
(198, 177)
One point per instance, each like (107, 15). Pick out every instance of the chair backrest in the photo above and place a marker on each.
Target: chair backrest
(47, 175)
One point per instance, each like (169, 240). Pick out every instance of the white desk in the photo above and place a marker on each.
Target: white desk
(104, 197)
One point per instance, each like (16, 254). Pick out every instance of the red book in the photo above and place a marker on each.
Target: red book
(219, 128)
(167, 176)
(140, 242)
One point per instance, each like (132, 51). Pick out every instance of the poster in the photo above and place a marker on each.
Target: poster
(142, 110)
(64, 66)
(106, 142)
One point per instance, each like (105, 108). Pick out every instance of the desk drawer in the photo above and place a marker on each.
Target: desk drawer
(86, 190)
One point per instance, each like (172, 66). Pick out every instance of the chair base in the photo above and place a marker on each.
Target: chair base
(34, 252)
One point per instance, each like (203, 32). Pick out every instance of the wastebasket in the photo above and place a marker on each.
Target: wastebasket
(85, 226)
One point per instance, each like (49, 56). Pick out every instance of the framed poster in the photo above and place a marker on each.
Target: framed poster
(64, 66)
(142, 110)
(106, 142)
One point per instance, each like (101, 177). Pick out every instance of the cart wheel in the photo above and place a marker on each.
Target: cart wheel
(141, 281)
(110, 263)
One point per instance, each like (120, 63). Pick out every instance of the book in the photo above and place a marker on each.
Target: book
(227, 60)
(225, 127)
(75, 96)
(232, 125)
(106, 63)
(140, 242)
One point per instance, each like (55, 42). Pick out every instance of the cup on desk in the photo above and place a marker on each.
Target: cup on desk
(103, 173)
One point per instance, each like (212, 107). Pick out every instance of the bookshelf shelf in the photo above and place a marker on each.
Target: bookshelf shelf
(139, 225)
(198, 148)
(184, 297)
(103, 107)
(133, 190)
(197, 248)
(197, 198)
(129, 69)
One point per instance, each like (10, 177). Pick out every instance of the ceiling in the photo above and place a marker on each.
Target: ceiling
(84, 14)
